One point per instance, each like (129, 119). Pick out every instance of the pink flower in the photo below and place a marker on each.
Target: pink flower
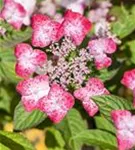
(57, 103)
(129, 81)
(93, 87)
(99, 49)
(125, 125)
(28, 60)
(13, 13)
(44, 31)
(29, 6)
(33, 90)
(75, 26)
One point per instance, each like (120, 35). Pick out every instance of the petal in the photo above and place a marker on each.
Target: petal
(102, 61)
(75, 26)
(29, 103)
(23, 49)
(44, 30)
(81, 94)
(24, 70)
(110, 46)
(34, 85)
(93, 87)
(40, 57)
(57, 103)
(90, 106)
(126, 139)
(13, 13)
(102, 45)
(121, 118)
(129, 79)
(96, 87)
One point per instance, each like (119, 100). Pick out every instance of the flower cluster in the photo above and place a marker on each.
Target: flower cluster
(63, 64)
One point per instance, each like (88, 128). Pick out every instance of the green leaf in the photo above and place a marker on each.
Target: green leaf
(15, 37)
(131, 46)
(97, 137)
(54, 139)
(107, 103)
(7, 65)
(70, 126)
(104, 124)
(15, 141)
(125, 23)
(3, 147)
(24, 119)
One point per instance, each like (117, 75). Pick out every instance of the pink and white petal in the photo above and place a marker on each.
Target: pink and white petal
(102, 45)
(57, 34)
(121, 118)
(29, 6)
(96, 47)
(57, 115)
(25, 69)
(34, 85)
(75, 26)
(29, 103)
(40, 38)
(40, 86)
(96, 82)
(39, 56)
(110, 46)
(126, 139)
(96, 87)
(129, 79)
(81, 94)
(45, 30)
(69, 100)
(23, 49)
(39, 20)
(56, 104)
(13, 13)
(102, 61)
(90, 106)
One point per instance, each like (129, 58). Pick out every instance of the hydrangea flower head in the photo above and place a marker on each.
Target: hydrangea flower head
(93, 87)
(28, 59)
(125, 125)
(99, 48)
(75, 26)
(33, 90)
(14, 13)
(45, 30)
(57, 103)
